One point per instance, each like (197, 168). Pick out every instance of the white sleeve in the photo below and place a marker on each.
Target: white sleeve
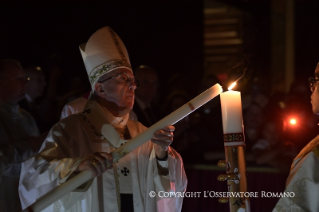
(48, 169)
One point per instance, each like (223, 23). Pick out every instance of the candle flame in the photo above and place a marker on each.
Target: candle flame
(232, 85)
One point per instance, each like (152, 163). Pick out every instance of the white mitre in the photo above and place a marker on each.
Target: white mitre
(104, 52)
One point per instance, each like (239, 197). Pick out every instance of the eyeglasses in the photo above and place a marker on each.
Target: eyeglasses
(123, 78)
(312, 82)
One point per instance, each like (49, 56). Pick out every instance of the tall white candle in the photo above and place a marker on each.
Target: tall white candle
(232, 117)
(120, 152)
(234, 142)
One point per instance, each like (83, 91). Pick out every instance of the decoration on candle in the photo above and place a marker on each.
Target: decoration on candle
(234, 139)
(234, 143)
(191, 106)
(58, 192)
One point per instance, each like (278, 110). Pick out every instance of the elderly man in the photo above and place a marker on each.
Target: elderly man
(18, 133)
(302, 184)
(83, 141)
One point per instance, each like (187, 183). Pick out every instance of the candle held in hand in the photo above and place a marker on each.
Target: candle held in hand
(171, 119)
(120, 152)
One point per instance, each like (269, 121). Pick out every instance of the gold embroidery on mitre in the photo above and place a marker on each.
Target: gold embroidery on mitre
(106, 67)
(234, 137)
(111, 64)
(117, 44)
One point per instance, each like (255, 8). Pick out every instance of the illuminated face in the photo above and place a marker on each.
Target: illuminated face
(315, 93)
(13, 83)
(117, 92)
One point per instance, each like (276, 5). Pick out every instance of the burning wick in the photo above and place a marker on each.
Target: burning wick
(232, 86)
(293, 121)
(235, 83)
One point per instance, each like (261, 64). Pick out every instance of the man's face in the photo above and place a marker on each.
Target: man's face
(13, 83)
(315, 93)
(121, 94)
(149, 85)
(36, 85)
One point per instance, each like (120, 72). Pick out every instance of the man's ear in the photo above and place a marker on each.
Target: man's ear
(100, 90)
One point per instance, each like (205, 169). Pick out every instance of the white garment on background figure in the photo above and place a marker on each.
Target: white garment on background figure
(303, 181)
(16, 125)
(93, 130)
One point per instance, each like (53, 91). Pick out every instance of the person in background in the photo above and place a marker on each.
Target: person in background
(304, 173)
(205, 127)
(18, 131)
(42, 109)
(146, 112)
(272, 148)
(253, 117)
(182, 138)
(75, 106)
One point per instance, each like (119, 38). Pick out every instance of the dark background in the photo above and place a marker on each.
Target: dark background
(167, 35)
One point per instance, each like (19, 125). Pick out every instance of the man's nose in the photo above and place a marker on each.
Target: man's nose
(133, 85)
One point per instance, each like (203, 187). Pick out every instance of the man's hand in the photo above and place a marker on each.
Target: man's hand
(162, 139)
(96, 163)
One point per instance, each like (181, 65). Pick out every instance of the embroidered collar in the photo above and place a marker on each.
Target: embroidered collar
(104, 121)
(117, 122)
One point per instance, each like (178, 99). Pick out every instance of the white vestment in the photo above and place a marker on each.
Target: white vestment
(16, 125)
(303, 181)
(79, 135)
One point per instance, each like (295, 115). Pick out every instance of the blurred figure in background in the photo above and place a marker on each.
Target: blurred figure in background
(253, 117)
(18, 131)
(182, 138)
(303, 177)
(271, 148)
(42, 109)
(74, 92)
(75, 106)
(206, 128)
(147, 113)
(297, 106)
